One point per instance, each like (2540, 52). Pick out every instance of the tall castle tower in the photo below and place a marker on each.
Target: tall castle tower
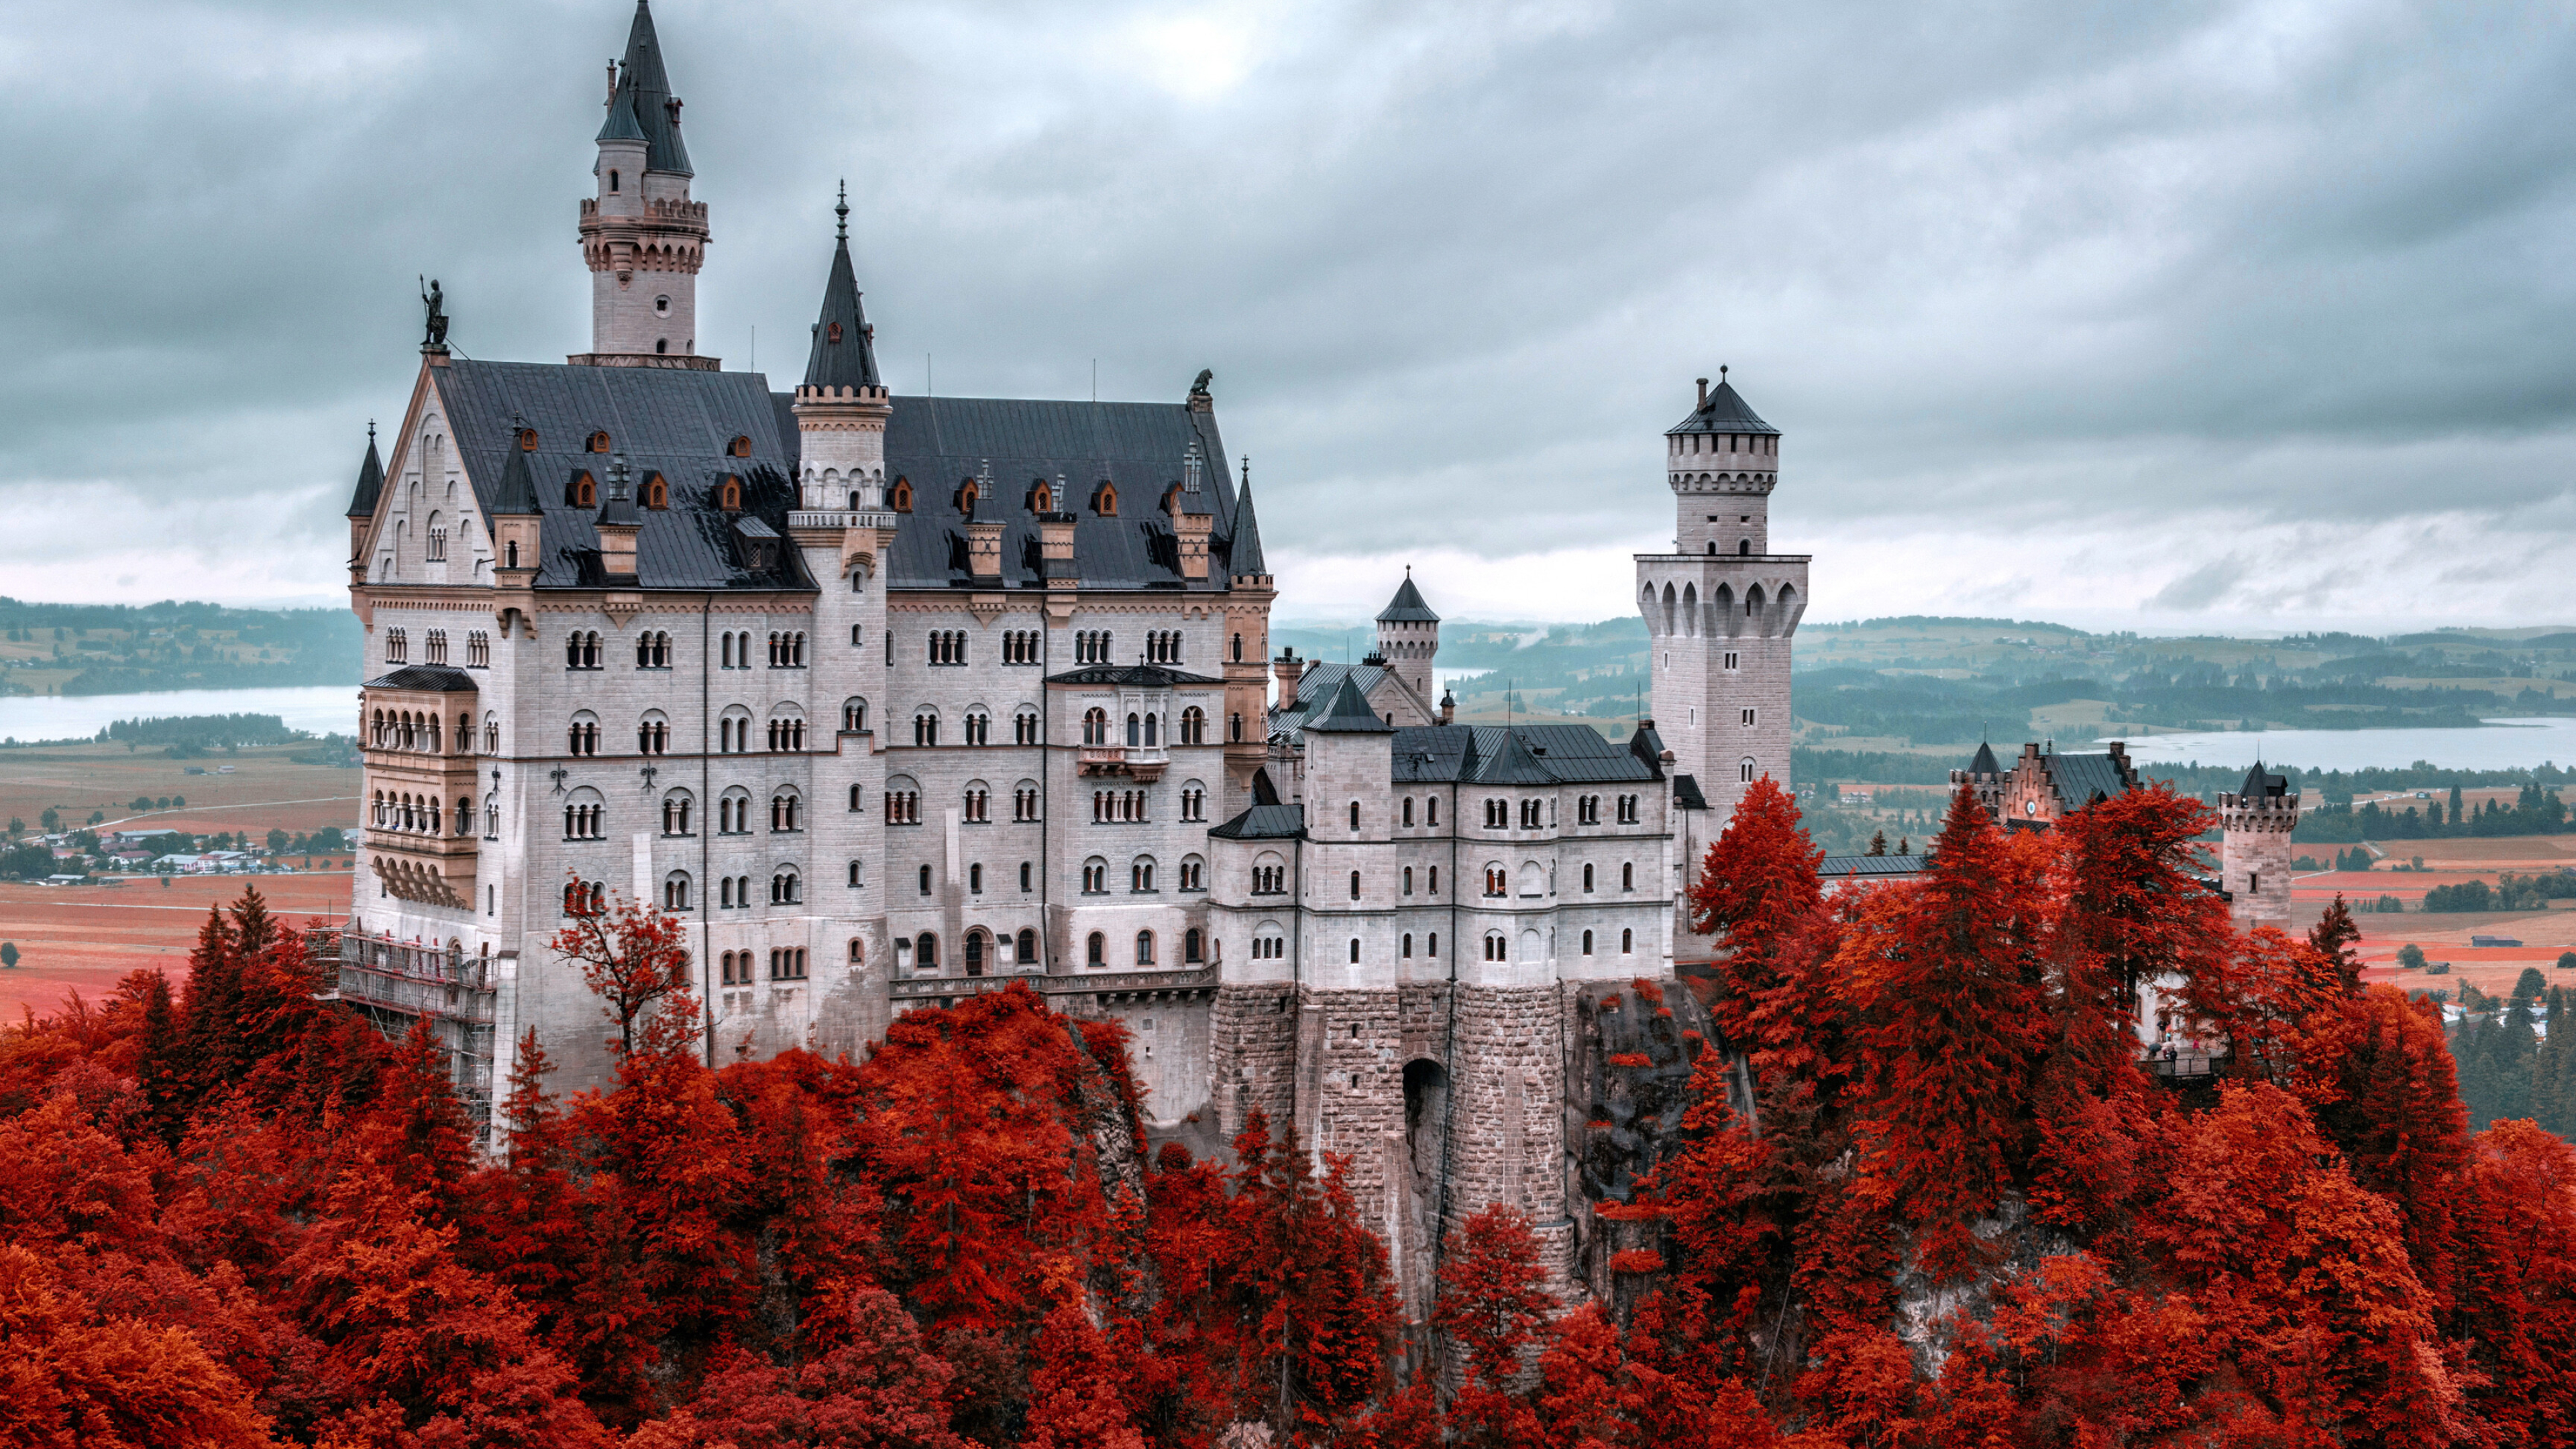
(1720, 608)
(2254, 848)
(641, 235)
(1408, 638)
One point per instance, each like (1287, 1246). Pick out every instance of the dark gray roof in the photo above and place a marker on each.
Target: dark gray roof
(646, 88)
(1243, 548)
(439, 677)
(1265, 822)
(371, 481)
(516, 494)
(1984, 763)
(618, 508)
(1724, 412)
(1686, 793)
(1544, 754)
(1145, 676)
(1350, 714)
(676, 422)
(679, 423)
(1513, 764)
(844, 354)
(2081, 778)
(2259, 784)
(939, 443)
(1872, 865)
(1407, 606)
(621, 124)
(1315, 690)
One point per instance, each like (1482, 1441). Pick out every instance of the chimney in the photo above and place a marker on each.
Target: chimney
(1703, 392)
(1192, 531)
(618, 524)
(984, 550)
(1289, 669)
(1055, 547)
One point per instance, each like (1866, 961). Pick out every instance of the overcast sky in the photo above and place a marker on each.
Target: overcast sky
(2179, 316)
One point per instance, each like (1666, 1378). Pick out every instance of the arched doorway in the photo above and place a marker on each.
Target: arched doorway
(977, 944)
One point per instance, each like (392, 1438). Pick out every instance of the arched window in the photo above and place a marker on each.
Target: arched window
(1095, 951)
(1144, 948)
(854, 716)
(975, 943)
(612, 186)
(784, 887)
(858, 875)
(785, 809)
(729, 494)
(675, 891)
(1355, 950)
(925, 880)
(1587, 943)
(1587, 879)
(581, 491)
(1095, 726)
(1194, 726)
(1026, 950)
(657, 494)
(1193, 947)
(740, 447)
(1135, 731)
(1408, 810)
(901, 497)
(1355, 885)
(1742, 546)
(1355, 816)
(925, 952)
(1408, 945)
(675, 812)
(1627, 942)
(1628, 876)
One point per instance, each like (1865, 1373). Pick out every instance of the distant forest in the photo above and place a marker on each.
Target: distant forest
(77, 649)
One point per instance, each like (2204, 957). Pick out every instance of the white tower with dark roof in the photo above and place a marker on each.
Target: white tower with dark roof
(1720, 608)
(1408, 638)
(641, 235)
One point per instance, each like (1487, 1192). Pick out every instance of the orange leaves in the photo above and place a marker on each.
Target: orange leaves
(71, 1376)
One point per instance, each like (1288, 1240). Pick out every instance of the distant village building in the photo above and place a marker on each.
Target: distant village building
(893, 699)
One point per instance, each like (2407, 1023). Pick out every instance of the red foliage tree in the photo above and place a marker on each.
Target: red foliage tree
(635, 959)
(1950, 985)
(2518, 1283)
(1493, 1295)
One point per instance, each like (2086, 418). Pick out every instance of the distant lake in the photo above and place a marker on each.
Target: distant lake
(320, 708)
(2504, 744)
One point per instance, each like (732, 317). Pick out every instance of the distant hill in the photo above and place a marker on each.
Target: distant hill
(126, 648)
(1936, 682)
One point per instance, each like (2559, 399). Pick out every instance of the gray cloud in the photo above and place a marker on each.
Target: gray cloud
(2011, 277)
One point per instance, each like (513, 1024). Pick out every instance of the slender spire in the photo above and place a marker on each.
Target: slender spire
(1243, 555)
(842, 210)
(517, 495)
(371, 479)
(1407, 606)
(644, 89)
(845, 353)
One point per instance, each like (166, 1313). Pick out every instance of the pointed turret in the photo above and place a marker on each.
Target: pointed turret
(1243, 553)
(645, 89)
(516, 497)
(841, 406)
(1350, 714)
(371, 480)
(1408, 639)
(641, 236)
(844, 353)
(1985, 762)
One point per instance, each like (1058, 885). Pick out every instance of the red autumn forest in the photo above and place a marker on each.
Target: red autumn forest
(1924, 1195)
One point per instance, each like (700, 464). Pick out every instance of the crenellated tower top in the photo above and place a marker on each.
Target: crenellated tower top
(641, 236)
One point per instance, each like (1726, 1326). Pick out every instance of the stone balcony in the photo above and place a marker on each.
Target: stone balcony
(1142, 763)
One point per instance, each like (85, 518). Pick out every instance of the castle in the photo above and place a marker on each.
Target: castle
(894, 699)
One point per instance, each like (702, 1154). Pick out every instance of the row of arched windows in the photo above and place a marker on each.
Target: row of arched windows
(419, 814)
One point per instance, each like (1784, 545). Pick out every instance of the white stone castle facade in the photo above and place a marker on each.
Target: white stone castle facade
(895, 699)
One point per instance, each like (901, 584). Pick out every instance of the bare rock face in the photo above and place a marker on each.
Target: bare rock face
(1929, 1313)
(1631, 1051)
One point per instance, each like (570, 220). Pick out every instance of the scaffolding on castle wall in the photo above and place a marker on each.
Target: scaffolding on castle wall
(395, 983)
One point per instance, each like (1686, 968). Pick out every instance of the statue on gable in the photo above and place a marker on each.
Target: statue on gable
(436, 303)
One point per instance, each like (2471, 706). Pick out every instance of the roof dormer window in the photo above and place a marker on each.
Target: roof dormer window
(657, 493)
(1105, 502)
(832, 333)
(598, 443)
(1041, 497)
(581, 492)
(527, 440)
(729, 494)
(901, 497)
(740, 447)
